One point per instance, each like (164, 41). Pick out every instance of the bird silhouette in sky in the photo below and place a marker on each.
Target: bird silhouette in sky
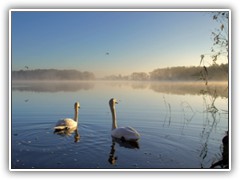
(107, 53)
(26, 67)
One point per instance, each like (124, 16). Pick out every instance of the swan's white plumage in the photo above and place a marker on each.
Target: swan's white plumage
(65, 123)
(68, 123)
(126, 133)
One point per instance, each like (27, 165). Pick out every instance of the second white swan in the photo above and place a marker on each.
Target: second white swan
(124, 133)
(69, 123)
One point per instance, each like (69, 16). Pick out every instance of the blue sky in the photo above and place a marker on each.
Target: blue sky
(136, 41)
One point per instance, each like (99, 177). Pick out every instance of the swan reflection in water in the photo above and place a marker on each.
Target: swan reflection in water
(126, 137)
(126, 144)
(67, 126)
(124, 133)
(68, 132)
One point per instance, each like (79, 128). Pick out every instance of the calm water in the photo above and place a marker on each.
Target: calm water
(179, 126)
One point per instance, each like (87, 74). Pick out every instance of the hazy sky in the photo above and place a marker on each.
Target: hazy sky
(136, 41)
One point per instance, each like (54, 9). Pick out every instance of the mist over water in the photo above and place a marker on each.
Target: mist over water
(178, 103)
(176, 87)
(181, 124)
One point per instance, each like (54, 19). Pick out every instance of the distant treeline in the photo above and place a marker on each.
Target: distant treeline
(52, 74)
(181, 73)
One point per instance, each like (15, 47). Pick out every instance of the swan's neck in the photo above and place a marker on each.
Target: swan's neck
(114, 118)
(76, 115)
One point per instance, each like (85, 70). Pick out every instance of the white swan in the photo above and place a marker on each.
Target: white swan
(124, 133)
(69, 123)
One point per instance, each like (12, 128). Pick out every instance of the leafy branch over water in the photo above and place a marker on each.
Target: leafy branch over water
(220, 46)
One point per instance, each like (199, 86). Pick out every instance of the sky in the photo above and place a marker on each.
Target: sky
(109, 42)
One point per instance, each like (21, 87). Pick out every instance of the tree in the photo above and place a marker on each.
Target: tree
(220, 46)
(139, 76)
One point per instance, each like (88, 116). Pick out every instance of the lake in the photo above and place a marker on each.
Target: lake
(181, 125)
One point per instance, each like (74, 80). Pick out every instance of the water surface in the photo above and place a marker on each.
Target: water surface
(181, 125)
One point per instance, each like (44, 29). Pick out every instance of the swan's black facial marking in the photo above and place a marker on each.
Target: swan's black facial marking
(112, 102)
(76, 105)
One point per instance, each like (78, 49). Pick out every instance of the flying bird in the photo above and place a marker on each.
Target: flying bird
(107, 53)
(26, 67)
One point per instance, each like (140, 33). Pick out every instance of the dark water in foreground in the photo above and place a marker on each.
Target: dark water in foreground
(181, 125)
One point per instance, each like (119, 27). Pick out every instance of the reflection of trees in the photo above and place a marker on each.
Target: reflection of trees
(132, 84)
(48, 86)
(139, 85)
(183, 88)
(208, 126)
(126, 144)
(177, 87)
(117, 84)
(210, 122)
(188, 113)
(168, 112)
(211, 118)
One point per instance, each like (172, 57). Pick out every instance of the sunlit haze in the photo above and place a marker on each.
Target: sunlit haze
(111, 42)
